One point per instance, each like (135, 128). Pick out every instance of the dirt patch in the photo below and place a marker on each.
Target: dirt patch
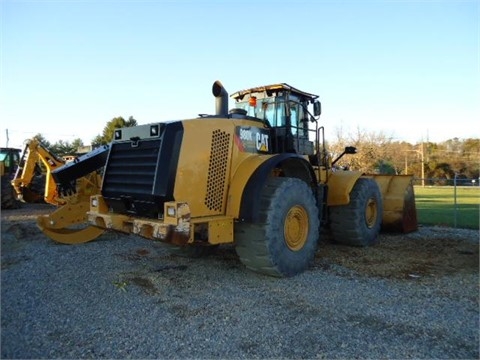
(423, 254)
(145, 283)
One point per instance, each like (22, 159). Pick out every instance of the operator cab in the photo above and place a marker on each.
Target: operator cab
(284, 109)
(9, 159)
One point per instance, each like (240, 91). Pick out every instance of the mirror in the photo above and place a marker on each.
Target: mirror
(350, 150)
(317, 108)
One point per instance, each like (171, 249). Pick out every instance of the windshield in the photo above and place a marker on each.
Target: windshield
(275, 112)
(264, 109)
(3, 156)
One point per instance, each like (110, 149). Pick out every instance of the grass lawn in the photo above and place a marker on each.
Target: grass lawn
(436, 206)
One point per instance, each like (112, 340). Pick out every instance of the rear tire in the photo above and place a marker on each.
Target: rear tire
(284, 241)
(358, 223)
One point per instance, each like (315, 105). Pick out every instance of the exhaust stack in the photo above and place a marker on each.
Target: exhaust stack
(221, 98)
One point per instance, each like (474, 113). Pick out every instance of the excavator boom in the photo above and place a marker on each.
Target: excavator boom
(33, 155)
(70, 191)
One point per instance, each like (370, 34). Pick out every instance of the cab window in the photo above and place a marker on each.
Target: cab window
(263, 109)
(294, 117)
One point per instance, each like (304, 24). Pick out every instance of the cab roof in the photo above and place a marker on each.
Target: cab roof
(273, 88)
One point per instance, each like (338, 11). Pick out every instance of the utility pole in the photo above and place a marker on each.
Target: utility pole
(422, 159)
(423, 166)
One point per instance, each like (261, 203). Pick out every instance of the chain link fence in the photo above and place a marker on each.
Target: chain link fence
(450, 202)
(456, 181)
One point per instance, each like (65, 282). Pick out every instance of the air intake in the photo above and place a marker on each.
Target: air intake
(217, 170)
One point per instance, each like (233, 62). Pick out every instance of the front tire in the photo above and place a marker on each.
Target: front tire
(284, 240)
(358, 223)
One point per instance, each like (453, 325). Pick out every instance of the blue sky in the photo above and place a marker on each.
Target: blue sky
(406, 69)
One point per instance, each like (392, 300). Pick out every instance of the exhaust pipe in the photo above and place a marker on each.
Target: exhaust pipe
(221, 98)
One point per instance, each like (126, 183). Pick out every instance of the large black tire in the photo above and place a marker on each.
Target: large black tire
(358, 223)
(35, 192)
(37, 186)
(284, 241)
(9, 198)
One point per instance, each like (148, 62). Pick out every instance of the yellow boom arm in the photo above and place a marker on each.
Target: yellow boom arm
(33, 154)
(67, 224)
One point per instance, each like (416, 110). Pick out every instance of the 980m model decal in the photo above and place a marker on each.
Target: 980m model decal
(252, 139)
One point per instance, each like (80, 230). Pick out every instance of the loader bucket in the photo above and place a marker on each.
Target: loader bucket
(399, 211)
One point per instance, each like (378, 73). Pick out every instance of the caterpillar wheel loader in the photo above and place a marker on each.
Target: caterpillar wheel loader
(67, 224)
(256, 176)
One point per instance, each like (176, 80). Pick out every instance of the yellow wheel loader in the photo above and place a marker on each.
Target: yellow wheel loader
(256, 176)
(67, 224)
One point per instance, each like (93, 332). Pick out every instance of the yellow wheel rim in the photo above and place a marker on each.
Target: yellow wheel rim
(296, 228)
(371, 213)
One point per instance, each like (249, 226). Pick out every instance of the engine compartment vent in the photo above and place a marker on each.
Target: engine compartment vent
(217, 170)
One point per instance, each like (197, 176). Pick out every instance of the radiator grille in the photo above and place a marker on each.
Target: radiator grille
(131, 170)
(217, 170)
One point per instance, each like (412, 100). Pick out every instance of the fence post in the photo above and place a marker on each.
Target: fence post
(455, 201)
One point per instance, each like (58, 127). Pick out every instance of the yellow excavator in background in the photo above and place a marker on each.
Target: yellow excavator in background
(67, 224)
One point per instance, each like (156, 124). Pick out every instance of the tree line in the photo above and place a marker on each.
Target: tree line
(439, 163)
(64, 148)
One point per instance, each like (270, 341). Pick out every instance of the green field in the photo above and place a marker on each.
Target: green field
(436, 206)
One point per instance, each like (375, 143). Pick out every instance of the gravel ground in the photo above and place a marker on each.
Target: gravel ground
(410, 296)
